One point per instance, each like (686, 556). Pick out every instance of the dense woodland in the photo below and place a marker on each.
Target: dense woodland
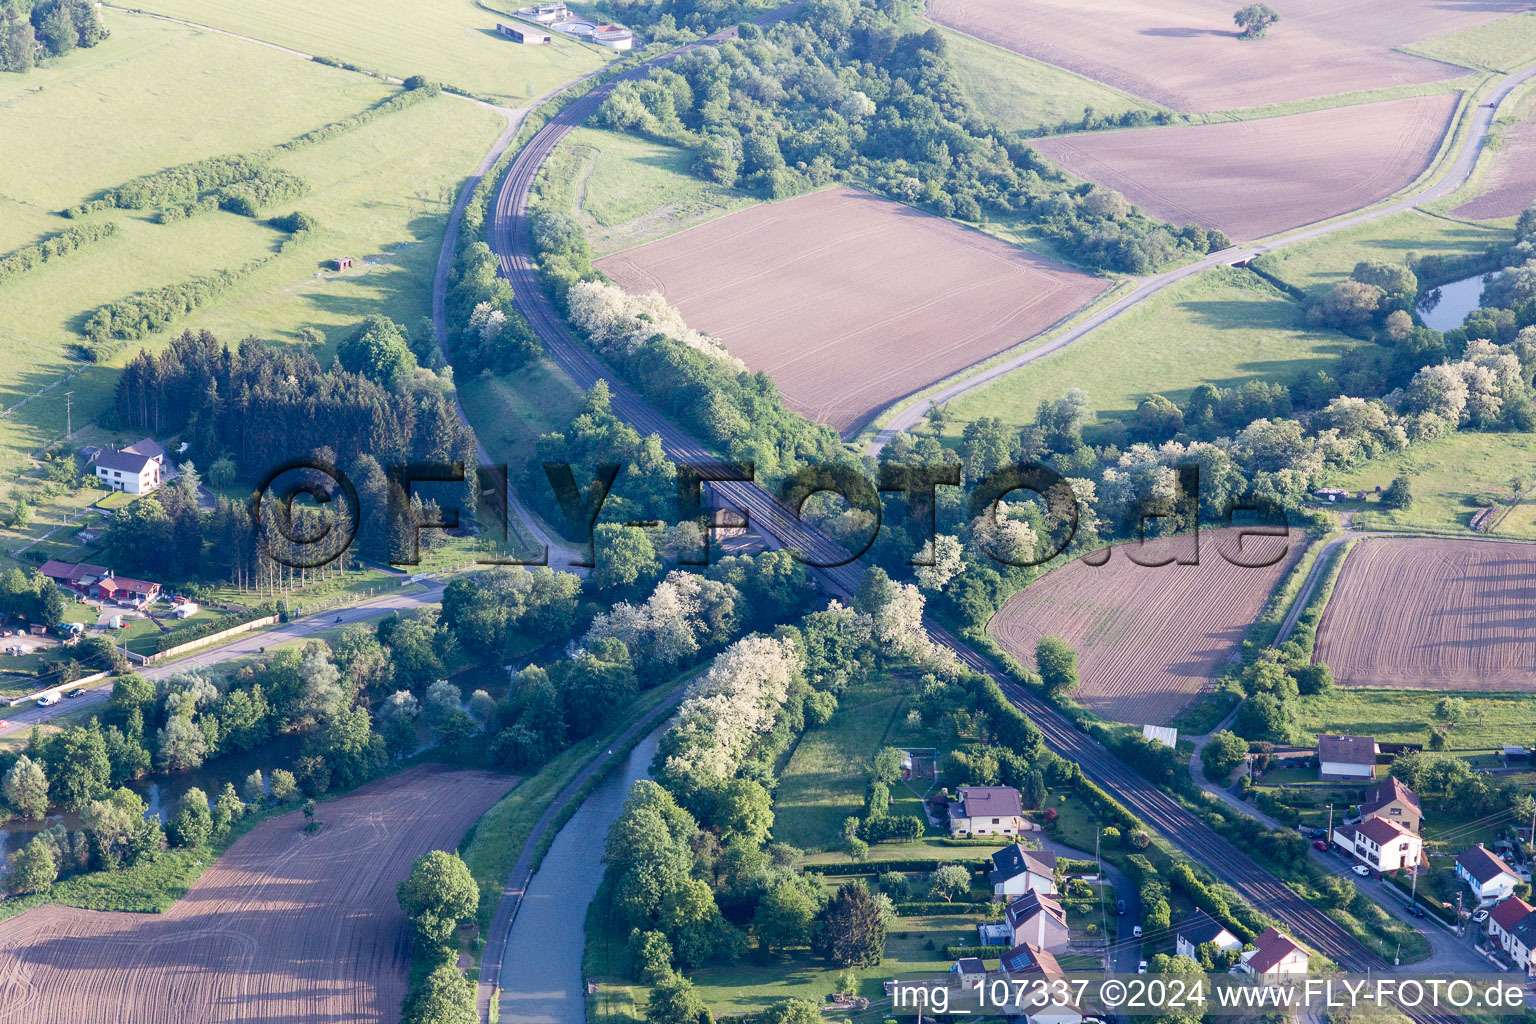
(32, 31)
(845, 91)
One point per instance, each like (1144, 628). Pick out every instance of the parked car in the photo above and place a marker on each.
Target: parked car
(1141, 968)
(1418, 911)
(1480, 916)
(1136, 931)
(1361, 870)
(78, 691)
(47, 700)
(1320, 844)
(1120, 907)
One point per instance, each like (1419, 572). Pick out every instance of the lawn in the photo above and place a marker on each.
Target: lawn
(1020, 94)
(1318, 265)
(451, 41)
(1224, 327)
(149, 98)
(1404, 716)
(1501, 45)
(1446, 475)
(826, 777)
(627, 190)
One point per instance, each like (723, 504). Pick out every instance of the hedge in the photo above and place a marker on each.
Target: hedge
(984, 952)
(176, 637)
(1444, 915)
(53, 247)
(938, 908)
(877, 866)
(1067, 866)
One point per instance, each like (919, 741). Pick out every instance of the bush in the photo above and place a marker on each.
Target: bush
(54, 247)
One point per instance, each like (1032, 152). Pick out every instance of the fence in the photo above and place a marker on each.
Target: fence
(202, 641)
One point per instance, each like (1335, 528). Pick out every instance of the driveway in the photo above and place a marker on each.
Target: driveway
(1125, 954)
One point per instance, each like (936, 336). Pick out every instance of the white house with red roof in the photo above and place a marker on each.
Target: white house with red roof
(1381, 845)
(1512, 924)
(1489, 878)
(1274, 955)
(101, 583)
(1346, 757)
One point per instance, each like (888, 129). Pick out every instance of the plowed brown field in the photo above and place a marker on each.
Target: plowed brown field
(849, 301)
(1185, 54)
(286, 927)
(1510, 185)
(1254, 178)
(1433, 614)
(1148, 639)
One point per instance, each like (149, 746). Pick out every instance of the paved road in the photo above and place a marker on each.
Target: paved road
(1455, 176)
(412, 595)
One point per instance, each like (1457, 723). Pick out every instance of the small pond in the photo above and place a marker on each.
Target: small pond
(1444, 308)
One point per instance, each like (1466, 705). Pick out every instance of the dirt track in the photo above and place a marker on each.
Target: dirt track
(1185, 54)
(1433, 614)
(286, 927)
(1255, 178)
(849, 301)
(1148, 638)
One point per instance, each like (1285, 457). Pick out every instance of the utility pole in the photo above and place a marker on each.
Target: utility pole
(1329, 835)
(1460, 927)
(69, 419)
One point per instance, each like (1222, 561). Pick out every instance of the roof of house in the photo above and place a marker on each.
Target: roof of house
(1013, 860)
(1269, 949)
(1031, 904)
(1482, 865)
(146, 446)
(1385, 792)
(970, 965)
(123, 461)
(1509, 913)
(989, 802)
(1346, 749)
(70, 571)
(1200, 928)
(1027, 959)
(1381, 831)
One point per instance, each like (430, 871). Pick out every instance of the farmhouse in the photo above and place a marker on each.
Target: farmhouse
(1016, 871)
(1489, 878)
(1346, 757)
(1391, 800)
(1274, 955)
(522, 34)
(136, 469)
(1512, 924)
(1198, 929)
(99, 582)
(1381, 844)
(987, 811)
(1038, 921)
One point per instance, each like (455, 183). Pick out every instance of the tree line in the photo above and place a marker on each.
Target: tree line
(34, 31)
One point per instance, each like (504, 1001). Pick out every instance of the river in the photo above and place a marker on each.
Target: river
(1455, 300)
(541, 976)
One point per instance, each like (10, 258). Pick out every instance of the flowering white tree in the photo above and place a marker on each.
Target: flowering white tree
(944, 552)
(487, 321)
(682, 609)
(620, 323)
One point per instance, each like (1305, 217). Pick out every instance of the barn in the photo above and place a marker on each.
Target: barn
(520, 34)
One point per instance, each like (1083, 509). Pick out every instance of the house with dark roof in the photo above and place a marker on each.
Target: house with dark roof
(1035, 1005)
(1346, 757)
(987, 811)
(1392, 800)
(1381, 844)
(99, 582)
(1512, 924)
(1017, 870)
(136, 469)
(1489, 878)
(1037, 920)
(1199, 928)
(1274, 955)
(972, 972)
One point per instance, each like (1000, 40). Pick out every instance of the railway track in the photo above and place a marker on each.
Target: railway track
(510, 238)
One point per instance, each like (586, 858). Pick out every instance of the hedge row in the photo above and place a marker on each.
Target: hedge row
(1067, 866)
(146, 312)
(876, 867)
(938, 908)
(53, 247)
(208, 627)
(983, 952)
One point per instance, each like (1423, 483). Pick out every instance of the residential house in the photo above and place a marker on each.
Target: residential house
(1346, 757)
(127, 471)
(1381, 844)
(100, 582)
(1274, 956)
(987, 811)
(1512, 924)
(972, 972)
(1016, 871)
(1489, 878)
(1036, 1006)
(1199, 928)
(1392, 800)
(1037, 920)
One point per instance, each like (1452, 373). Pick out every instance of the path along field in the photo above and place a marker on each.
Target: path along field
(286, 926)
(1509, 184)
(1254, 178)
(1148, 638)
(1435, 614)
(849, 301)
(1185, 54)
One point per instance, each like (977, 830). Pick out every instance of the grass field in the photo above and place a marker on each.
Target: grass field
(1446, 474)
(372, 190)
(1501, 45)
(1405, 716)
(827, 775)
(451, 41)
(1223, 327)
(510, 411)
(1318, 265)
(627, 190)
(1020, 94)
